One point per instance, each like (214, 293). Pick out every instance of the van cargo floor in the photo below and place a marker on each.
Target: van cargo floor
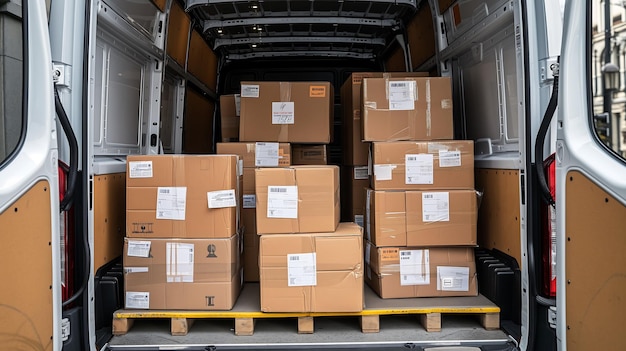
(450, 320)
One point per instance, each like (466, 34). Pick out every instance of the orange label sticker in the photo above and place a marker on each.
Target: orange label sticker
(317, 91)
(389, 254)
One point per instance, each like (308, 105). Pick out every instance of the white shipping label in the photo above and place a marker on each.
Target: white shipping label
(402, 95)
(449, 158)
(222, 198)
(136, 299)
(136, 270)
(171, 203)
(419, 169)
(436, 207)
(452, 278)
(361, 173)
(282, 201)
(266, 155)
(302, 269)
(140, 169)
(249, 201)
(283, 113)
(237, 104)
(179, 262)
(414, 267)
(383, 172)
(358, 219)
(250, 90)
(139, 248)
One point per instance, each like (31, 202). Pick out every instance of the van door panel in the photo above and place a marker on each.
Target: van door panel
(109, 217)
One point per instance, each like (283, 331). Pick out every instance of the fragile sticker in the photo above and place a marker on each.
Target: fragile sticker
(282, 201)
(266, 155)
(419, 169)
(140, 169)
(171, 203)
(283, 113)
(318, 91)
(302, 269)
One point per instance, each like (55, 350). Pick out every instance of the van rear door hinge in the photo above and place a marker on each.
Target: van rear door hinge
(61, 74)
(552, 317)
(548, 68)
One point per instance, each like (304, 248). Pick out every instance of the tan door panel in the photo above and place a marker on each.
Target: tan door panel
(109, 195)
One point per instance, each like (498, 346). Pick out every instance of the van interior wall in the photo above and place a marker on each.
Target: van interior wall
(198, 121)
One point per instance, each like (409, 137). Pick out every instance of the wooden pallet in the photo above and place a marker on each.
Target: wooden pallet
(246, 312)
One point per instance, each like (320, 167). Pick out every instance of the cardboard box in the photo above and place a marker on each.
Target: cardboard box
(302, 199)
(406, 109)
(259, 154)
(354, 150)
(421, 218)
(431, 165)
(355, 181)
(198, 274)
(309, 154)
(229, 117)
(397, 272)
(182, 196)
(290, 112)
(313, 272)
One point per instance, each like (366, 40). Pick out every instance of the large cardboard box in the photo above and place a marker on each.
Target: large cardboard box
(182, 196)
(421, 218)
(320, 272)
(298, 199)
(229, 117)
(291, 112)
(354, 149)
(422, 165)
(261, 154)
(309, 154)
(406, 109)
(396, 272)
(198, 274)
(355, 181)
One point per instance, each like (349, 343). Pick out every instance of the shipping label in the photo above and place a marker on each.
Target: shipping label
(317, 91)
(249, 201)
(179, 259)
(222, 198)
(282, 201)
(402, 95)
(358, 219)
(361, 173)
(436, 207)
(283, 112)
(237, 105)
(414, 267)
(250, 90)
(302, 269)
(419, 169)
(136, 270)
(266, 155)
(449, 158)
(139, 248)
(140, 169)
(171, 203)
(383, 172)
(137, 299)
(389, 254)
(452, 278)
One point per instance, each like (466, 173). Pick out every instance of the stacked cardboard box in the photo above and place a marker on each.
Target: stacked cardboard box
(252, 155)
(182, 249)
(420, 208)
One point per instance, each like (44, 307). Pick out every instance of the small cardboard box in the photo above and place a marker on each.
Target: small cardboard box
(355, 181)
(290, 112)
(309, 154)
(298, 199)
(259, 154)
(229, 117)
(421, 218)
(406, 109)
(354, 149)
(313, 272)
(397, 272)
(182, 196)
(422, 165)
(198, 274)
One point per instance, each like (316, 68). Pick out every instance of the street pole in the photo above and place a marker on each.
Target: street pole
(607, 97)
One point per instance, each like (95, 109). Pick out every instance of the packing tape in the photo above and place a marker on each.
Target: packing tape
(178, 179)
(285, 96)
(428, 109)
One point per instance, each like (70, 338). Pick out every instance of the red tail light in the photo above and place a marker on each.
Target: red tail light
(67, 239)
(549, 232)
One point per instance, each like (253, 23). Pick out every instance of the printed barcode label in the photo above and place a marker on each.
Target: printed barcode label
(361, 173)
(449, 158)
(282, 202)
(453, 278)
(402, 95)
(302, 269)
(414, 267)
(419, 169)
(266, 155)
(140, 169)
(249, 201)
(249, 91)
(171, 203)
(139, 248)
(436, 207)
(136, 299)
(222, 198)
(283, 113)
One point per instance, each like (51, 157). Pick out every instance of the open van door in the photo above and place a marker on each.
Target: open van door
(591, 179)
(30, 301)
